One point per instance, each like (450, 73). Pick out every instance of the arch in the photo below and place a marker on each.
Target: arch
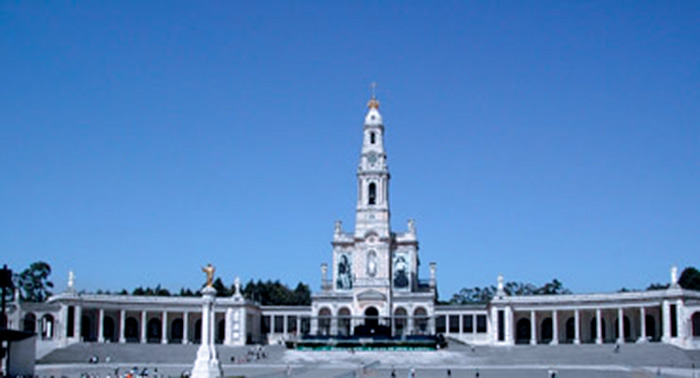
(154, 329)
(47, 324)
(86, 328)
(29, 323)
(570, 329)
(420, 320)
(547, 330)
(650, 326)
(324, 321)
(400, 319)
(696, 324)
(371, 317)
(594, 329)
(198, 331)
(523, 331)
(131, 329)
(177, 326)
(372, 194)
(108, 329)
(626, 325)
(344, 323)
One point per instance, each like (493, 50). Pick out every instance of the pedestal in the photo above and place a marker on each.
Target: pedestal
(207, 364)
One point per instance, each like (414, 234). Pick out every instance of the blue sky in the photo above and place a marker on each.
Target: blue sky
(540, 140)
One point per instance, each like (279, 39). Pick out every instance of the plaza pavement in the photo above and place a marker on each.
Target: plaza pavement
(572, 361)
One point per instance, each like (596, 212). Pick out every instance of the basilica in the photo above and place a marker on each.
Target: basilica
(372, 283)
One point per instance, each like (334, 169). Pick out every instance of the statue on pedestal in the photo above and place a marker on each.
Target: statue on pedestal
(207, 364)
(209, 270)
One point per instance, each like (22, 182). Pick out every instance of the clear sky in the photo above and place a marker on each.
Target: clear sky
(140, 140)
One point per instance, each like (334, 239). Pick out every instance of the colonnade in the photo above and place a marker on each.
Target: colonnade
(588, 324)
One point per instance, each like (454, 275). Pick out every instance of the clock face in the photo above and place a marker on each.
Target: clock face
(372, 158)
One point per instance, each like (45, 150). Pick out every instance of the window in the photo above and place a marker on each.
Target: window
(279, 324)
(467, 323)
(454, 324)
(674, 321)
(372, 194)
(70, 323)
(440, 324)
(481, 323)
(371, 138)
(265, 324)
(501, 326)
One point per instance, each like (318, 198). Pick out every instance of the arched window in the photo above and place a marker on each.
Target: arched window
(522, 331)
(344, 321)
(108, 329)
(420, 320)
(153, 330)
(371, 138)
(47, 326)
(324, 321)
(372, 197)
(176, 329)
(131, 329)
(400, 319)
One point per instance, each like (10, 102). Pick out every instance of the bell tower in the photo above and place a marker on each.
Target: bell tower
(372, 214)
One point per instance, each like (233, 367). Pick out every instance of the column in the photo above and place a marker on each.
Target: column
(298, 320)
(642, 326)
(101, 326)
(620, 326)
(533, 328)
(461, 323)
(577, 327)
(122, 323)
(666, 315)
(555, 328)
(77, 332)
(679, 320)
(143, 327)
(185, 327)
(285, 331)
(164, 328)
(227, 326)
(598, 327)
(509, 325)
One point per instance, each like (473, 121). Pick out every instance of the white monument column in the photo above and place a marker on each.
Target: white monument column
(122, 323)
(643, 326)
(207, 364)
(598, 327)
(164, 329)
(143, 327)
(78, 330)
(666, 315)
(533, 328)
(227, 326)
(679, 320)
(620, 326)
(185, 327)
(101, 326)
(577, 327)
(555, 327)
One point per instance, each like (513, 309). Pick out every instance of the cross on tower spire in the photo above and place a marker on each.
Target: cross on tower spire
(373, 103)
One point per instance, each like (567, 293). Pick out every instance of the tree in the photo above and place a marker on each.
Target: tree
(34, 282)
(690, 279)
(485, 294)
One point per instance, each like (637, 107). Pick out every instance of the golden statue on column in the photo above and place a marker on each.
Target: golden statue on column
(209, 270)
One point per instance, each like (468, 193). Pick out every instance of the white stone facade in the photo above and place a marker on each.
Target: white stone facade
(373, 281)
